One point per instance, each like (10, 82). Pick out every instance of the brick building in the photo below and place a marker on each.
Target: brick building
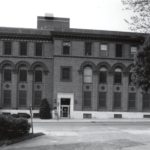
(82, 73)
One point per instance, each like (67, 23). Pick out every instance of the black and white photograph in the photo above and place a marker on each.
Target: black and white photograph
(74, 74)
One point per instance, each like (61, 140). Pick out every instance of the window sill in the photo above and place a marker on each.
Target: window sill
(65, 80)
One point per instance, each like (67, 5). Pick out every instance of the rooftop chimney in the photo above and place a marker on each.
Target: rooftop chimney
(49, 15)
(49, 22)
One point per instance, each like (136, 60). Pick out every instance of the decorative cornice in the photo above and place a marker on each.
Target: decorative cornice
(22, 36)
(92, 36)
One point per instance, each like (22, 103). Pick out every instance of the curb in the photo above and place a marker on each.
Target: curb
(93, 121)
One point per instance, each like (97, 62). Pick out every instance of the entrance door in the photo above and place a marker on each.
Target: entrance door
(65, 107)
(65, 111)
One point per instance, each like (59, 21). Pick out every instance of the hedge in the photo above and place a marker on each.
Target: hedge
(11, 127)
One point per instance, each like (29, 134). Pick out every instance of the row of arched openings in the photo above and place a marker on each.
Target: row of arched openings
(22, 68)
(103, 69)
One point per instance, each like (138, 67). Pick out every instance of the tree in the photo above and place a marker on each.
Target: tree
(45, 109)
(141, 68)
(140, 14)
(140, 21)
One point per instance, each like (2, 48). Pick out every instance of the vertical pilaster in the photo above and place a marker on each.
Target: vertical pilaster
(44, 87)
(95, 92)
(124, 93)
(78, 101)
(110, 92)
(30, 89)
(14, 93)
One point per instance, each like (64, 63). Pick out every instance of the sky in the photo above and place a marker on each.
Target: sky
(87, 14)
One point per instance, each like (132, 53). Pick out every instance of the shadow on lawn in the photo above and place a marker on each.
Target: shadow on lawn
(20, 139)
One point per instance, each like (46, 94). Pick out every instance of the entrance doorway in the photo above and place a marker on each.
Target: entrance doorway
(65, 107)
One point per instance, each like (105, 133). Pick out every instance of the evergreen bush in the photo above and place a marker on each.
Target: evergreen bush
(45, 109)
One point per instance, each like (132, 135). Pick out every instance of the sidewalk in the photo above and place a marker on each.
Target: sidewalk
(144, 120)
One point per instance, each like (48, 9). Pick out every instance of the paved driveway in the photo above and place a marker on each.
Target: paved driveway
(88, 136)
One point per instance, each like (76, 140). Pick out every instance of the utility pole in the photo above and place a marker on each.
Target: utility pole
(31, 118)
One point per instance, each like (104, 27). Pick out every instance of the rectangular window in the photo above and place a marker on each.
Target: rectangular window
(88, 48)
(6, 98)
(38, 49)
(7, 48)
(117, 100)
(87, 99)
(37, 98)
(103, 50)
(23, 75)
(146, 101)
(23, 48)
(118, 50)
(102, 100)
(22, 97)
(66, 48)
(66, 73)
(38, 76)
(131, 101)
(7, 75)
(133, 51)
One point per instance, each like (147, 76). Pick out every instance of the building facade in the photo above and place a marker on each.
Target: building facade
(82, 73)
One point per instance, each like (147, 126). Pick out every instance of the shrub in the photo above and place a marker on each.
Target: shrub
(21, 115)
(24, 115)
(15, 115)
(44, 110)
(11, 127)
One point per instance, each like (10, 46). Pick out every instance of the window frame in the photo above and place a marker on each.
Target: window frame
(133, 54)
(87, 76)
(19, 78)
(20, 48)
(85, 48)
(85, 100)
(131, 100)
(106, 74)
(24, 98)
(115, 102)
(35, 49)
(119, 54)
(146, 102)
(10, 92)
(4, 77)
(38, 81)
(70, 73)
(104, 53)
(34, 100)
(117, 73)
(62, 52)
(5, 49)
(102, 100)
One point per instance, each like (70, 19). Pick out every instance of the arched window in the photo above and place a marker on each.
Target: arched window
(7, 73)
(88, 75)
(118, 76)
(103, 75)
(38, 75)
(22, 74)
